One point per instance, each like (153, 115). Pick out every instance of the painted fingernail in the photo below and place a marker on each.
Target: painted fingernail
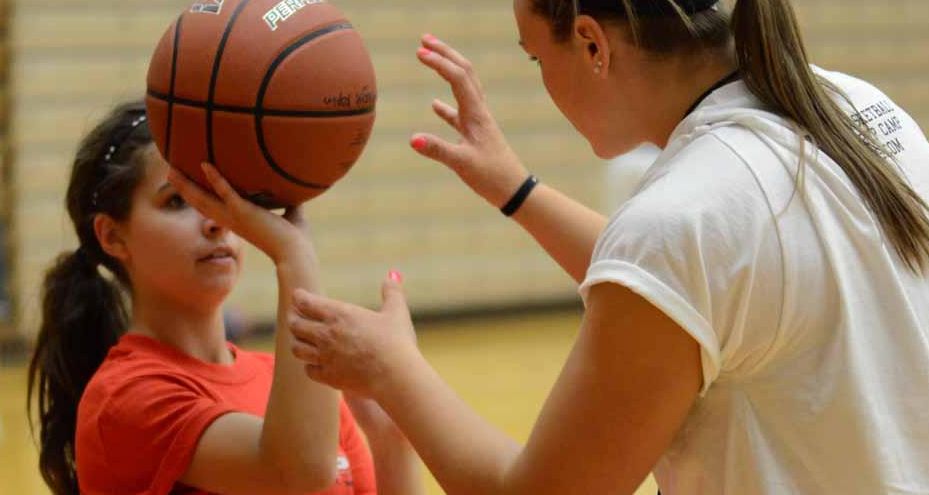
(423, 52)
(395, 276)
(418, 143)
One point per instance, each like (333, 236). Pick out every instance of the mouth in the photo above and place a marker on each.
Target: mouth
(219, 254)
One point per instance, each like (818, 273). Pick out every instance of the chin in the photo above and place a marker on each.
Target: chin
(608, 151)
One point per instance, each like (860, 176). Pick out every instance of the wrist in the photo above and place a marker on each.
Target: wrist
(519, 196)
(506, 186)
(296, 250)
(398, 378)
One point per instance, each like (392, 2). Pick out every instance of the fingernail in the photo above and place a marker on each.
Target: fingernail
(429, 37)
(395, 276)
(418, 143)
(423, 52)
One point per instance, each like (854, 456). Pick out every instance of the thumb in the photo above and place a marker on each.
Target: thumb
(393, 295)
(437, 149)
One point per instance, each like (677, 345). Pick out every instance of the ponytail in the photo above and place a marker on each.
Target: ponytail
(83, 315)
(774, 65)
(83, 312)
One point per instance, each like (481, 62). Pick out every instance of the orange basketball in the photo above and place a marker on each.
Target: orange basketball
(278, 94)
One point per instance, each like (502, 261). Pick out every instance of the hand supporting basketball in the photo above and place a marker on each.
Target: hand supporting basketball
(482, 157)
(353, 348)
(278, 236)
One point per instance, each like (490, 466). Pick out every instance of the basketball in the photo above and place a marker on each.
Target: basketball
(278, 94)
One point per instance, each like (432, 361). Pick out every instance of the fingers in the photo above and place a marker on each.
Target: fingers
(435, 44)
(195, 195)
(220, 185)
(315, 307)
(436, 148)
(307, 353)
(393, 296)
(446, 112)
(463, 86)
(294, 215)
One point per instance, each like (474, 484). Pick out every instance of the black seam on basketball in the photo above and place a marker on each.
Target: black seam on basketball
(211, 93)
(259, 112)
(177, 39)
(270, 112)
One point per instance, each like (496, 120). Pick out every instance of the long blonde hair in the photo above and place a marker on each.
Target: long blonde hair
(774, 65)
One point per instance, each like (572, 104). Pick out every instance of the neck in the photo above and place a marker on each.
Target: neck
(684, 81)
(197, 331)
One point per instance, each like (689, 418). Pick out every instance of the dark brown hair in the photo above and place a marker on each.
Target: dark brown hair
(83, 312)
(774, 65)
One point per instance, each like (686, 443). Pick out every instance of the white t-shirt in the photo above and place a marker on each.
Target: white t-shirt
(814, 335)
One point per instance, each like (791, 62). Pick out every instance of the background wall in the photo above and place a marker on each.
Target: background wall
(73, 59)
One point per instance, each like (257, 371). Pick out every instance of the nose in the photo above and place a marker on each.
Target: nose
(211, 228)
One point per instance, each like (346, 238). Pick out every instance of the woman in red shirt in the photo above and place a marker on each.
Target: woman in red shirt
(152, 399)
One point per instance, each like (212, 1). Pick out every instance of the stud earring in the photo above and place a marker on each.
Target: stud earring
(598, 67)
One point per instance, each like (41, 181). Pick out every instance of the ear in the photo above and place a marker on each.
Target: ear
(109, 235)
(592, 37)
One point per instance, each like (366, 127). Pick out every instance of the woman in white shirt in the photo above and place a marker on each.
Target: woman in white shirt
(757, 316)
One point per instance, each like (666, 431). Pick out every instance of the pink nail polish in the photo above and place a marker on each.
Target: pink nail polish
(423, 51)
(395, 276)
(418, 143)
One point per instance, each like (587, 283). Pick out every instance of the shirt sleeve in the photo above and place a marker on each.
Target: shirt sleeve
(356, 450)
(150, 429)
(695, 242)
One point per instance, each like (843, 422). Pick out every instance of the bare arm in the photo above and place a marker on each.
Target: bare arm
(565, 228)
(626, 388)
(293, 448)
(396, 464)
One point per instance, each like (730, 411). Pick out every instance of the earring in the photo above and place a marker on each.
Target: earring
(598, 67)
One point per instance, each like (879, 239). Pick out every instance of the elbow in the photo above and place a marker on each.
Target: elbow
(307, 474)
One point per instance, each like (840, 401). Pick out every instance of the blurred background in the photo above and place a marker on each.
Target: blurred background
(496, 316)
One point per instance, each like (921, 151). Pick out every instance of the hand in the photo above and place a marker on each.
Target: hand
(276, 235)
(482, 157)
(353, 348)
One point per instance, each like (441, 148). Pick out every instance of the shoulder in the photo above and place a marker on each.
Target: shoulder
(707, 180)
(260, 358)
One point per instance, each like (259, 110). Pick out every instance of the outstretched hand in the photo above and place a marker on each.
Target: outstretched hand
(482, 157)
(353, 348)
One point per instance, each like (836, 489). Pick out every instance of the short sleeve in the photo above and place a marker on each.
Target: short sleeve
(150, 427)
(698, 242)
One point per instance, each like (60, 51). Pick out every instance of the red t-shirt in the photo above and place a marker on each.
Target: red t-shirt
(143, 412)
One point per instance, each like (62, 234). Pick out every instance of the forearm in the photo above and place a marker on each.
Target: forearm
(464, 453)
(565, 228)
(396, 465)
(302, 422)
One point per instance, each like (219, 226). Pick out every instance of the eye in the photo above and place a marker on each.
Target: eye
(175, 202)
(533, 58)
